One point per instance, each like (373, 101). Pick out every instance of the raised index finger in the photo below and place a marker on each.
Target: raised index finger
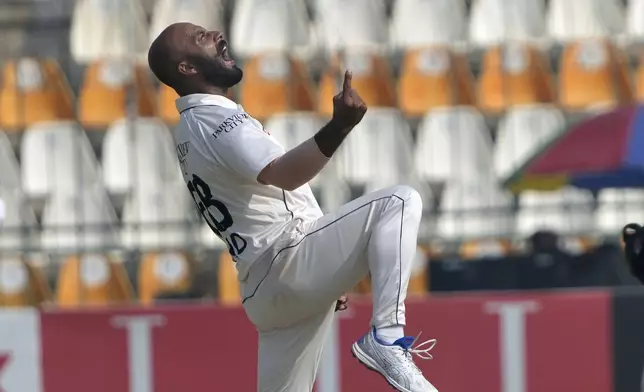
(346, 86)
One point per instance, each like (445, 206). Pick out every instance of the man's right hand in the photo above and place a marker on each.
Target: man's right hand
(348, 107)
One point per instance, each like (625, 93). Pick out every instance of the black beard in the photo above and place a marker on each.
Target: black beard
(224, 77)
(215, 73)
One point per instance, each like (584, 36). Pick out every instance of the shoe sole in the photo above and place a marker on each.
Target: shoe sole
(365, 360)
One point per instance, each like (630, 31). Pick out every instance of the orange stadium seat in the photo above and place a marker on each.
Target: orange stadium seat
(593, 73)
(275, 83)
(639, 79)
(92, 279)
(22, 284)
(475, 249)
(228, 283)
(166, 107)
(162, 273)
(434, 77)
(107, 90)
(514, 75)
(371, 77)
(33, 91)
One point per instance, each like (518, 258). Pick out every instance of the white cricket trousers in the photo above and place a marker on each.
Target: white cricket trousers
(290, 293)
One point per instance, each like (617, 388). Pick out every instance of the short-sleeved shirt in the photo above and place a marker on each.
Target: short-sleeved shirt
(221, 151)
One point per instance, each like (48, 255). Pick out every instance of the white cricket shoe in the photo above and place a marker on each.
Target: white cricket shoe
(395, 362)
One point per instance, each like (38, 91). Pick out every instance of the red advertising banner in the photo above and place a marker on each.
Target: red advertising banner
(506, 343)
(196, 349)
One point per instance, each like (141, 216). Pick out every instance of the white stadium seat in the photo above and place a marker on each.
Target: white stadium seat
(571, 20)
(56, 158)
(355, 24)
(291, 129)
(17, 232)
(566, 211)
(378, 149)
(145, 140)
(205, 13)
(420, 23)
(261, 26)
(522, 132)
(82, 220)
(474, 209)
(156, 217)
(635, 20)
(453, 144)
(108, 28)
(497, 21)
(9, 167)
(616, 207)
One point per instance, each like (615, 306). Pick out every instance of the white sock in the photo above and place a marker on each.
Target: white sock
(390, 334)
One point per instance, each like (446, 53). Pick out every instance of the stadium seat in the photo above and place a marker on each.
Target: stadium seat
(166, 105)
(419, 282)
(205, 13)
(453, 144)
(379, 149)
(19, 230)
(574, 20)
(616, 207)
(10, 173)
(371, 77)
(593, 72)
(56, 157)
(474, 209)
(92, 279)
(639, 81)
(163, 272)
(351, 25)
(109, 89)
(229, 293)
(260, 26)
(159, 216)
(33, 91)
(434, 77)
(514, 74)
(21, 284)
(275, 83)
(522, 132)
(495, 22)
(484, 248)
(148, 143)
(635, 20)
(418, 24)
(292, 129)
(79, 219)
(108, 29)
(566, 212)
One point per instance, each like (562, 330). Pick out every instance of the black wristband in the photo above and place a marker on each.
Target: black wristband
(330, 137)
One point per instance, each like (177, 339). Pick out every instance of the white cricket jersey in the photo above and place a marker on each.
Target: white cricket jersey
(221, 151)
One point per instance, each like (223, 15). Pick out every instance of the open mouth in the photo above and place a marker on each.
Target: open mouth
(225, 54)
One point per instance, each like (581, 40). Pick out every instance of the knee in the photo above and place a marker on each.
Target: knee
(410, 197)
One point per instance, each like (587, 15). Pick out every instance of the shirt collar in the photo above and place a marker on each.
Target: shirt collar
(195, 100)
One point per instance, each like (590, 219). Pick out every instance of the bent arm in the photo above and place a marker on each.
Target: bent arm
(301, 164)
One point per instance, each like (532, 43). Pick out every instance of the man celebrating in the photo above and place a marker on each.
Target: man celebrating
(293, 262)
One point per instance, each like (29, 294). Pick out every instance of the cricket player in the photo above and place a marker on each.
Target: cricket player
(293, 262)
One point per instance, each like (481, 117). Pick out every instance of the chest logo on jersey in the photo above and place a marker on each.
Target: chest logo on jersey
(230, 123)
(182, 154)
